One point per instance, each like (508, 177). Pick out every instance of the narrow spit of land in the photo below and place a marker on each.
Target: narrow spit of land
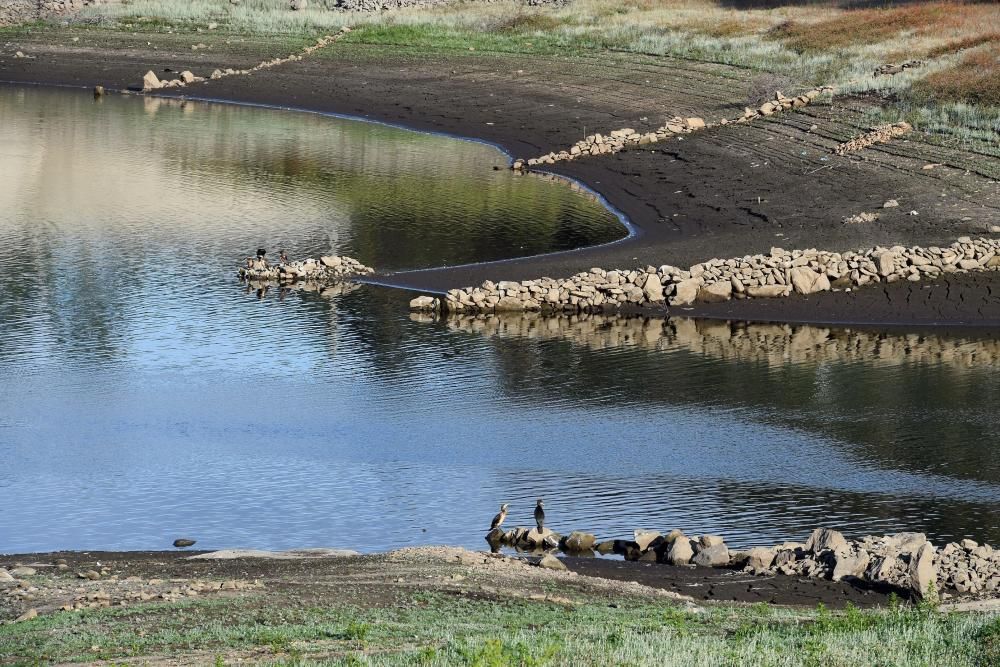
(726, 192)
(440, 605)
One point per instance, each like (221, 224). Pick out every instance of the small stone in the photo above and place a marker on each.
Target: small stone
(892, 203)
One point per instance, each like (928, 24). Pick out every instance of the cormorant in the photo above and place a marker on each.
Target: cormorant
(540, 515)
(499, 518)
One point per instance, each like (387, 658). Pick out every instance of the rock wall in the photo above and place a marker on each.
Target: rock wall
(13, 12)
(777, 274)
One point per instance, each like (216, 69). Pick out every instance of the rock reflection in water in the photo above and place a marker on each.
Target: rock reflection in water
(772, 344)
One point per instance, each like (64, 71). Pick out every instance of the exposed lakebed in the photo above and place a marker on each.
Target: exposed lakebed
(144, 394)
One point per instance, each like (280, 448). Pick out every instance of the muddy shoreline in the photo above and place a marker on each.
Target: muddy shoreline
(688, 201)
(695, 584)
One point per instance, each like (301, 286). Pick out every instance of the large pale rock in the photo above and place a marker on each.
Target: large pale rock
(544, 538)
(23, 571)
(716, 292)
(824, 539)
(807, 281)
(850, 565)
(923, 573)
(643, 538)
(151, 81)
(680, 552)
(759, 559)
(767, 291)
(694, 123)
(652, 289)
(686, 292)
(886, 263)
(710, 540)
(299, 5)
(423, 303)
(714, 556)
(187, 76)
(5, 576)
(906, 543)
(331, 261)
(579, 541)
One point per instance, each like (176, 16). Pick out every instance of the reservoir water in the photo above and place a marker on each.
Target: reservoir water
(145, 394)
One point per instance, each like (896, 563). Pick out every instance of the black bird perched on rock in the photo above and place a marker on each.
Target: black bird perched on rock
(499, 518)
(540, 515)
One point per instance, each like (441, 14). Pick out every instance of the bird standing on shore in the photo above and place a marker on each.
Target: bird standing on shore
(499, 518)
(540, 515)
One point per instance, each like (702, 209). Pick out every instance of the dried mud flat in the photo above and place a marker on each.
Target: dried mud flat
(729, 191)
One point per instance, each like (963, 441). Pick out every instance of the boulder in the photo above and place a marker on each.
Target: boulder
(424, 303)
(923, 572)
(652, 289)
(716, 292)
(544, 538)
(187, 76)
(886, 263)
(151, 81)
(686, 292)
(183, 542)
(645, 538)
(680, 552)
(23, 571)
(331, 261)
(579, 541)
(767, 291)
(710, 540)
(759, 559)
(550, 562)
(298, 5)
(27, 616)
(606, 547)
(906, 543)
(5, 576)
(807, 281)
(713, 556)
(694, 123)
(850, 565)
(825, 539)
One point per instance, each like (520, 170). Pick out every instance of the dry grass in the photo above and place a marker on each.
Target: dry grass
(966, 21)
(992, 38)
(974, 79)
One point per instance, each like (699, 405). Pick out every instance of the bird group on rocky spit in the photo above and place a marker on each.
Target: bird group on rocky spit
(502, 515)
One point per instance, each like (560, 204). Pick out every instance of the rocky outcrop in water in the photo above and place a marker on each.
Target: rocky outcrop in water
(777, 274)
(325, 269)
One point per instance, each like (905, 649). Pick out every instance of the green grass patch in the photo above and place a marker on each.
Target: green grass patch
(449, 630)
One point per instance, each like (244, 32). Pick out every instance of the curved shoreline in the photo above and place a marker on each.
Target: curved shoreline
(889, 307)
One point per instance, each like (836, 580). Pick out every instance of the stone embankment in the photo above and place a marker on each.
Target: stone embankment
(619, 140)
(879, 135)
(13, 12)
(151, 82)
(777, 274)
(775, 345)
(904, 561)
(325, 269)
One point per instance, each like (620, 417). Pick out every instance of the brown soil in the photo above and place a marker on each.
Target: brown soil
(725, 192)
(383, 579)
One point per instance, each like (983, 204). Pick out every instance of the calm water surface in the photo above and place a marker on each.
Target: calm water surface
(145, 395)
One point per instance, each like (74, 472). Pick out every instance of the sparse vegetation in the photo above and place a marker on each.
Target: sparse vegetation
(434, 628)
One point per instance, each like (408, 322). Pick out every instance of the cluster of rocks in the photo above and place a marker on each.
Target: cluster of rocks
(892, 69)
(772, 344)
(151, 82)
(904, 561)
(879, 135)
(777, 274)
(325, 269)
(619, 140)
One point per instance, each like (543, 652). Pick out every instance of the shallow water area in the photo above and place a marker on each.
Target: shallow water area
(146, 395)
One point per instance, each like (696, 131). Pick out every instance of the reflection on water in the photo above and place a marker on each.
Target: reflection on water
(145, 393)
